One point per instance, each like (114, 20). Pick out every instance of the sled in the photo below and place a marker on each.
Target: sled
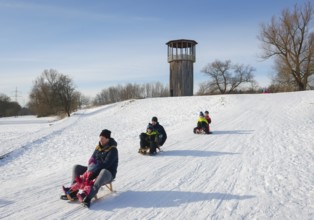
(70, 199)
(200, 131)
(145, 151)
(102, 188)
(159, 149)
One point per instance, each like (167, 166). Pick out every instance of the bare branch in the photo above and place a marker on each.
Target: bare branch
(289, 40)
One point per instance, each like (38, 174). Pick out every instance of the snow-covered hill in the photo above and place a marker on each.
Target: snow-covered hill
(258, 163)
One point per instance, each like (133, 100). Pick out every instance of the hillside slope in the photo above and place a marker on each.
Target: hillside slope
(258, 163)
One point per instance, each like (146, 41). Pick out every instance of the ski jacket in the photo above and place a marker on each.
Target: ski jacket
(209, 120)
(152, 136)
(202, 122)
(106, 157)
(162, 133)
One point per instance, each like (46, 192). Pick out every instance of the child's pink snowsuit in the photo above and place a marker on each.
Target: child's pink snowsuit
(83, 183)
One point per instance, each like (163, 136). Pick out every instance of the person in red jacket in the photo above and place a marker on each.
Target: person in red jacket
(207, 117)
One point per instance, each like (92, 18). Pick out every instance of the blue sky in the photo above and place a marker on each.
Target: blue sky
(103, 43)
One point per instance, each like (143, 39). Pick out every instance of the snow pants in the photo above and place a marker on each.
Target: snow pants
(103, 178)
(146, 142)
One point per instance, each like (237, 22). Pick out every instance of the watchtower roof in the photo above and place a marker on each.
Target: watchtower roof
(181, 43)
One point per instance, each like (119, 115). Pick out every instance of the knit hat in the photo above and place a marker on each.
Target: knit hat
(150, 126)
(202, 114)
(206, 112)
(155, 119)
(105, 133)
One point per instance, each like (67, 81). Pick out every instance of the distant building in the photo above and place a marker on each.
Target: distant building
(181, 56)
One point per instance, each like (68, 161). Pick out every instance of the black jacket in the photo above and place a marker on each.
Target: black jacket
(160, 129)
(107, 157)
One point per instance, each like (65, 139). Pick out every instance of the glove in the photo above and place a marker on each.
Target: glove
(92, 160)
(92, 167)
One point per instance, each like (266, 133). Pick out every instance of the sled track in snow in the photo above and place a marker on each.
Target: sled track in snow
(46, 135)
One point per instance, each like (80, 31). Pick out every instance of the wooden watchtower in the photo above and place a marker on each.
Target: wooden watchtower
(181, 56)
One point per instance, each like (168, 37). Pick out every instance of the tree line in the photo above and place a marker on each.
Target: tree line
(54, 93)
(131, 91)
(8, 107)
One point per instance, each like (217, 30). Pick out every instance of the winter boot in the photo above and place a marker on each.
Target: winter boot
(72, 195)
(86, 202)
(152, 151)
(152, 148)
(81, 196)
(68, 194)
(83, 193)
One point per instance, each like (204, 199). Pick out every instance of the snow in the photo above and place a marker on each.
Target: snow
(257, 164)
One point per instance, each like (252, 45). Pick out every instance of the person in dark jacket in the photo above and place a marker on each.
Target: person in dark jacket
(148, 141)
(162, 135)
(102, 166)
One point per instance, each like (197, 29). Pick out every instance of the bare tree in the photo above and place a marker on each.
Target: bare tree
(159, 90)
(7, 107)
(41, 99)
(53, 93)
(290, 41)
(64, 89)
(203, 89)
(84, 101)
(311, 82)
(148, 90)
(130, 91)
(226, 77)
(4, 98)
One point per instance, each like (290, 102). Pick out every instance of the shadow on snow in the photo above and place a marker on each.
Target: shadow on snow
(194, 153)
(232, 132)
(160, 199)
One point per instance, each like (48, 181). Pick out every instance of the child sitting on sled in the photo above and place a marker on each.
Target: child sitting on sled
(149, 141)
(83, 183)
(209, 120)
(202, 125)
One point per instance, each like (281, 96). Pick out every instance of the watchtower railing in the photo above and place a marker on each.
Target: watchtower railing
(175, 57)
